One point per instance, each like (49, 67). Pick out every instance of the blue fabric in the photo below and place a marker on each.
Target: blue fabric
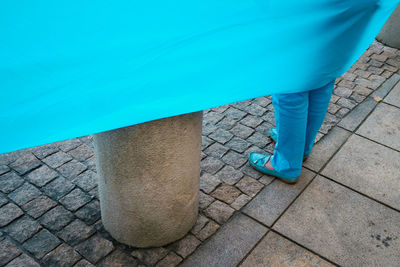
(298, 117)
(73, 68)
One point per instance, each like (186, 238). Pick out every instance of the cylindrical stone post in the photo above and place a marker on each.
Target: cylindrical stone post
(149, 178)
(390, 33)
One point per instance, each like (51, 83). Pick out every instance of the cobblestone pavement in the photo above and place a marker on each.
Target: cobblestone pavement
(338, 213)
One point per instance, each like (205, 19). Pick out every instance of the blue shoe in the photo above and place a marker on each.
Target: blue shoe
(258, 160)
(273, 133)
(274, 136)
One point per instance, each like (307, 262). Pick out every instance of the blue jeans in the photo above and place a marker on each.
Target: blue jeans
(298, 117)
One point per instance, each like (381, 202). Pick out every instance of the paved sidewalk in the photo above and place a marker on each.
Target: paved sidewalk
(345, 209)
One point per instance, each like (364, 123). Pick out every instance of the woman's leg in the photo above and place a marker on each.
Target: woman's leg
(291, 125)
(317, 107)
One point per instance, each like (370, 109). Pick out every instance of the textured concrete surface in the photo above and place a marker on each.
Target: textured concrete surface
(270, 203)
(275, 250)
(369, 168)
(394, 96)
(149, 177)
(326, 148)
(383, 126)
(343, 226)
(229, 245)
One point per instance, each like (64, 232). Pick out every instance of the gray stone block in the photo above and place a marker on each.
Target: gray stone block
(24, 193)
(275, 250)
(325, 148)
(56, 218)
(343, 226)
(8, 213)
(38, 206)
(76, 232)
(41, 176)
(95, 248)
(356, 116)
(23, 228)
(394, 96)
(383, 126)
(386, 86)
(269, 204)
(41, 243)
(75, 199)
(10, 181)
(63, 255)
(118, 258)
(8, 251)
(369, 168)
(229, 245)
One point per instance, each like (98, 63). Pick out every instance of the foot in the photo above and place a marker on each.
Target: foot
(261, 162)
(268, 164)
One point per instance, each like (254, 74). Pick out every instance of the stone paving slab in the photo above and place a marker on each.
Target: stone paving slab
(325, 148)
(343, 226)
(383, 126)
(275, 250)
(357, 116)
(229, 245)
(394, 96)
(269, 204)
(369, 168)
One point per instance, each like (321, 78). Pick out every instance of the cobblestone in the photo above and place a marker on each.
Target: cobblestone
(200, 223)
(208, 230)
(41, 243)
(56, 218)
(186, 245)
(249, 185)
(23, 228)
(63, 255)
(75, 199)
(24, 193)
(8, 251)
(95, 248)
(208, 182)
(86, 180)
(25, 163)
(234, 159)
(170, 260)
(8, 213)
(150, 256)
(71, 169)
(4, 169)
(10, 181)
(226, 193)
(89, 213)
(76, 232)
(57, 159)
(221, 136)
(41, 176)
(204, 200)
(57, 188)
(23, 260)
(219, 211)
(38, 206)
(229, 175)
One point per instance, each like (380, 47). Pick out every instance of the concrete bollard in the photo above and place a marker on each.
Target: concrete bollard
(390, 33)
(149, 179)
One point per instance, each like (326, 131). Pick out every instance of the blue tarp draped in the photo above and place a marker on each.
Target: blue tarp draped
(73, 68)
